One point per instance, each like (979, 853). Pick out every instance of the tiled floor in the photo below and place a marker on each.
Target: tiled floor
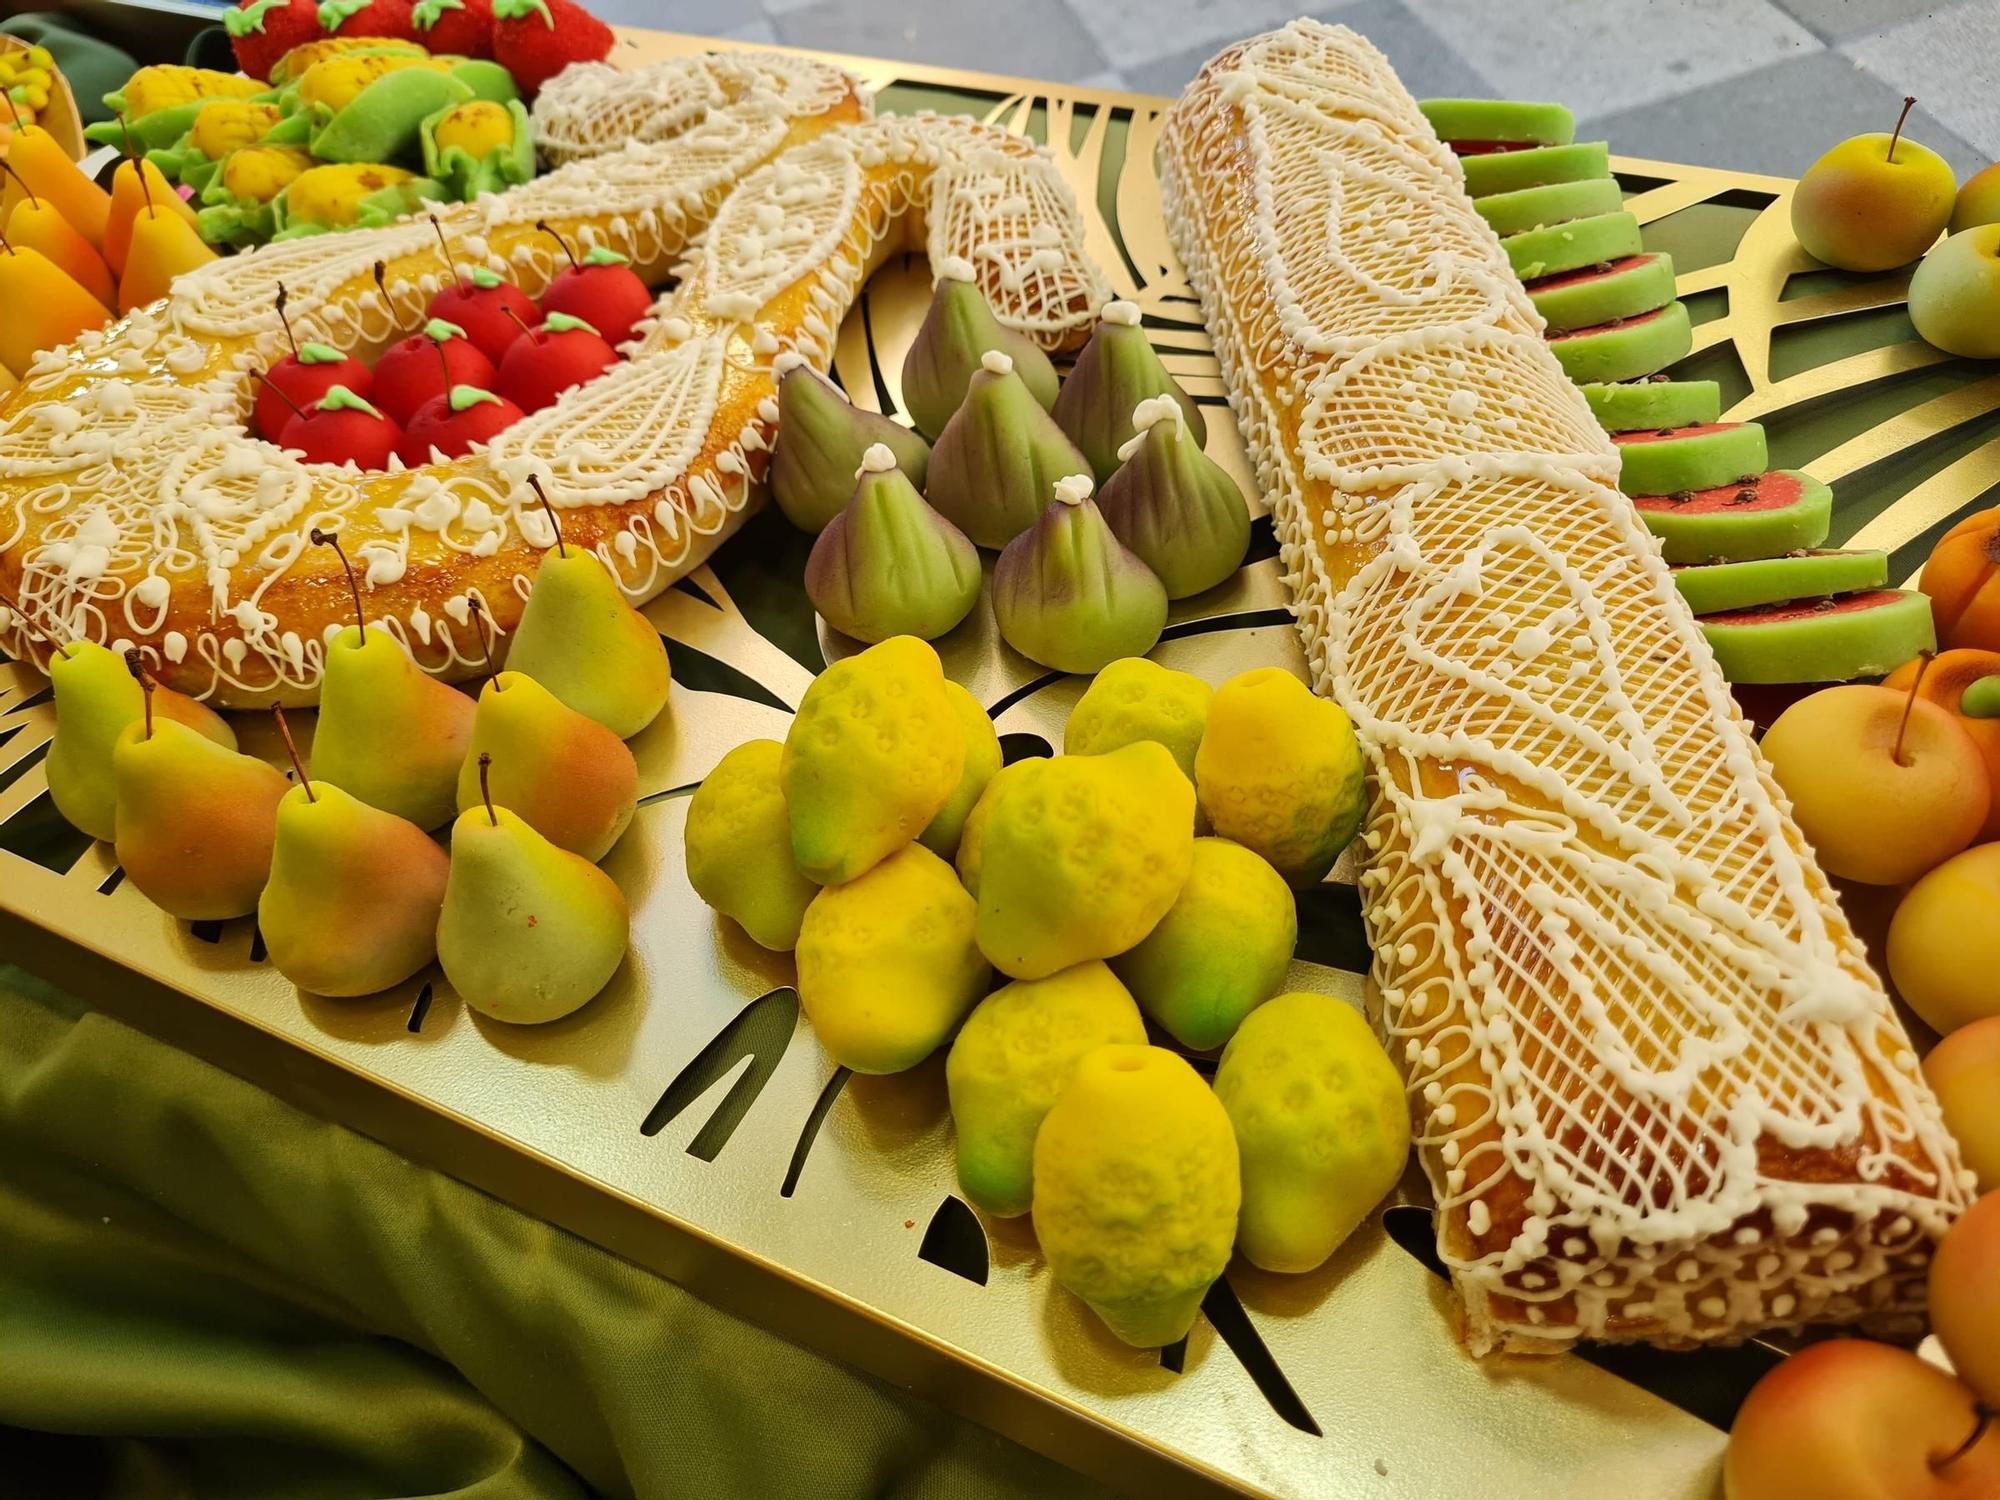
(1761, 85)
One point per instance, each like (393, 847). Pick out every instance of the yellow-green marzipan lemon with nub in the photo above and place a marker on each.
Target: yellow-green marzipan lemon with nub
(1136, 699)
(1136, 1191)
(887, 965)
(982, 764)
(1279, 772)
(1220, 951)
(739, 847)
(874, 754)
(1010, 1063)
(1322, 1126)
(1082, 857)
(972, 837)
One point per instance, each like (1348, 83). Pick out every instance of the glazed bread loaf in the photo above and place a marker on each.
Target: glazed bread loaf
(136, 510)
(1659, 1093)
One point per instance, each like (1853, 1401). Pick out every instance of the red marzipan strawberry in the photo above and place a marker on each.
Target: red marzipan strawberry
(460, 28)
(262, 31)
(536, 39)
(390, 18)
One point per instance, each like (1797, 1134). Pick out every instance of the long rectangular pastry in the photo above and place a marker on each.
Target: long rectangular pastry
(1659, 1093)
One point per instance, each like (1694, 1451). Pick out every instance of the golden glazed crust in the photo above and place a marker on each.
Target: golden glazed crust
(1657, 1089)
(135, 509)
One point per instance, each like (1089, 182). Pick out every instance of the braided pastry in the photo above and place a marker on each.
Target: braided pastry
(136, 510)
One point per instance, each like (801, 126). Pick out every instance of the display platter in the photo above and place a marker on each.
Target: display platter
(689, 1120)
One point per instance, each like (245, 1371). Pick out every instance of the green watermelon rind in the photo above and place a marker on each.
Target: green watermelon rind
(1698, 461)
(1606, 299)
(1505, 171)
(1710, 588)
(1532, 121)
(1635, 406)
(1551, 203)
(1740, 535)
(1838, 646)
(1628, 350)
(1571, 247)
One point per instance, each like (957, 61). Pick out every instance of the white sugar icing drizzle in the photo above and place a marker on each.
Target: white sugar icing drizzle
(135, 507)
(1659, 1093)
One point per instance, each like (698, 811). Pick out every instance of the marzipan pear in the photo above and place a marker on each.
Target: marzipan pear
(999, 457)
(97, 697)
(887, 964)
(958, 329)
(1174, 506)
(582, 640)
(1081, 857)
(1067, 593)
(821, 439)
(388, 732)
(1137, 1187)
(195, 819)
(739, 846)
(529, 931)
(568, 777)
(353, 900)
(1115, 371)
(889, 564)
(1011, 1061)
(1322, 1127)
(982, 763)
(875, 752)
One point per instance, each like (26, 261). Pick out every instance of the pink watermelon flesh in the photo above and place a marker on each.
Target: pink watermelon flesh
(1806, 609)
(1488, 148)
(1584, 333)
(1589, 273)
(1772, 491)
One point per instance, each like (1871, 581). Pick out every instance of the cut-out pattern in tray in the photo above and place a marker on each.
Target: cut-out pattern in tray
(687, 1118)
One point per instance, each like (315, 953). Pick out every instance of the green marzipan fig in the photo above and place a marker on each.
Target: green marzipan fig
(889, 564)
(999, 457)
(1117, 370)
(1068, 594)
(1174, 506)
(821, 438)
(956, 332)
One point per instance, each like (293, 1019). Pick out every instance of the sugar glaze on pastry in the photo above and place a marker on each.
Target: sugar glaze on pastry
(1659, 1092)
(135, 508)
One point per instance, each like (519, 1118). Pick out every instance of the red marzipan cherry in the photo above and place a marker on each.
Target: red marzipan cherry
(305, 375)
(602, 289)
(547, 361)
(455, 424)
(480, 304)
(426, 365)
(339, 428)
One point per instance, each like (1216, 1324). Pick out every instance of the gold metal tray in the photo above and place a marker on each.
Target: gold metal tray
(688, 1120)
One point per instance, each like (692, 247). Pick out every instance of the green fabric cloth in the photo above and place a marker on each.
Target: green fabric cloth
(93, 68)
(205, 1292)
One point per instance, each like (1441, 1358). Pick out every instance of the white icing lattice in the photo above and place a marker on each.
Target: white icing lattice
(1659, 1093)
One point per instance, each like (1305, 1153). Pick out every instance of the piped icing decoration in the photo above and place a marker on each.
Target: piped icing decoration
(248, 20)
(1616, 982)
(1074, 489)
(562, 322)
(312, 353)
(996, 363)
(1147, 415)
(465, 397)
(1122, 313)
(340, 398)
(956, 268)
(660, 452)
(877, 460)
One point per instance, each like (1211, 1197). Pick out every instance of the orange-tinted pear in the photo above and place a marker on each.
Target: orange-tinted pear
(35, 223)
(353, 901)
(44, 166)
(1965, 1298)
(136, 190)
(564, 774)
(162, 245)
(196, 821)
(388, 732)
(45, 307)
